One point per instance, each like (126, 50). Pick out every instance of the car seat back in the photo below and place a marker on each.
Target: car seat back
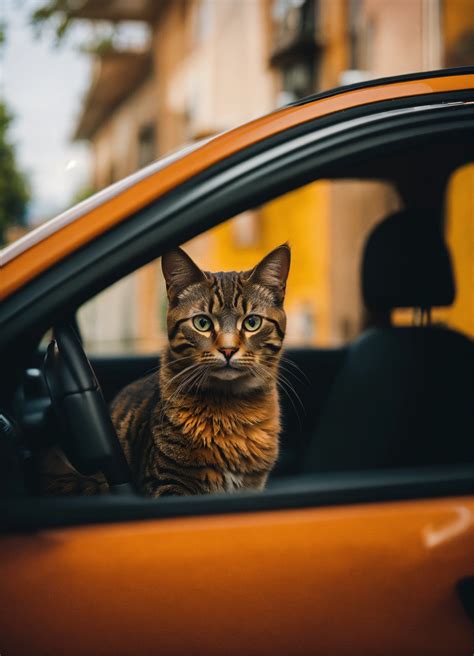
(404, 395)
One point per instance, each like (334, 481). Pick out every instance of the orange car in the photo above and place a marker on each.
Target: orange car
(363, 542)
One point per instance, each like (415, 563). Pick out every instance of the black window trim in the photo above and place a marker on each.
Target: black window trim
(299, 492)
(382, 81)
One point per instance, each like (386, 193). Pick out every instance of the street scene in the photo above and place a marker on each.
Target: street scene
(236, 327)
(154, 83)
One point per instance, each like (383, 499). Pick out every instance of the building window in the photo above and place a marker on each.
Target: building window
(146, 145)
(202, 21)
(294, 22)
(294, 47)
(361, 38)
(246, 229)
(298, 79)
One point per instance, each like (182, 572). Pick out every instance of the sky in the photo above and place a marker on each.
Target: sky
(43, 86)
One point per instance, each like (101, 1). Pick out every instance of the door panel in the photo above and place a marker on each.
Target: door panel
(365, 579)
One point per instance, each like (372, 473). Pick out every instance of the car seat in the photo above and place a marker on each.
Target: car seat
(403, 395)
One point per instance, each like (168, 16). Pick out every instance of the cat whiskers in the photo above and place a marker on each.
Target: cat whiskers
(180, 373)
(162, 365)
(289, 384)
(193, 372)
(282, 361)
(190, 371)
(295, 366)
(286, 386)
(290, 372)
(203, 378)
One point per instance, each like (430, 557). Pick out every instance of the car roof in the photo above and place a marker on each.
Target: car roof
(54, 240)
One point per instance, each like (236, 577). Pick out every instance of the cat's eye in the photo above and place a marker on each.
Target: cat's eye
(202, 323)
(252, 322)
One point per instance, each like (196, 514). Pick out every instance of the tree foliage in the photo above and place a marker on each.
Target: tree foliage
(83, 193)
(58, 17)
(55, 13)
(14, 188)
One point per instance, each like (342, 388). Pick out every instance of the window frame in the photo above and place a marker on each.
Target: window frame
(293, 493)
(256, 175)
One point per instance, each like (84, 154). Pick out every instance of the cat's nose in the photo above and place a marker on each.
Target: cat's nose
(228, 352)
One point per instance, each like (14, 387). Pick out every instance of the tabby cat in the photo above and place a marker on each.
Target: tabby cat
(208, 420)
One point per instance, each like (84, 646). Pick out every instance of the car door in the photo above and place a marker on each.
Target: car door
(353, 563)
(336, 577)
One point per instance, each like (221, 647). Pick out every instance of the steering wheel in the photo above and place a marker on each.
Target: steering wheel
(88, 436)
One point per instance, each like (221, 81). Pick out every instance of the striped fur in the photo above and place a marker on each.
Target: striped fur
(208, 421)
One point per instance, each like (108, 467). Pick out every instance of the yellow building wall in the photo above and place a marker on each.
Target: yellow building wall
(460, 238)
(300, 218)
(457, 22)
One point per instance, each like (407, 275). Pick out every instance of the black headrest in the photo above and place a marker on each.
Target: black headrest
(406, 263)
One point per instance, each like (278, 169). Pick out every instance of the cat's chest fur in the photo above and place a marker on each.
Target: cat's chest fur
(236, 438)
(233, 482)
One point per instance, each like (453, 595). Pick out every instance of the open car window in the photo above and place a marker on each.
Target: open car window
(327, 222)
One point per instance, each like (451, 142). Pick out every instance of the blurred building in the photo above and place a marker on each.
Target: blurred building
(212, 64)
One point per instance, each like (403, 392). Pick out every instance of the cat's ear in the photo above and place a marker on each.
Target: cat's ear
(180, 271)
(273, 270)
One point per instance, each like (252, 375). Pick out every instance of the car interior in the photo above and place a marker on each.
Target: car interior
(395, 397)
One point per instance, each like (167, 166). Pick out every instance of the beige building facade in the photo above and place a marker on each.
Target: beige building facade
(213, 64)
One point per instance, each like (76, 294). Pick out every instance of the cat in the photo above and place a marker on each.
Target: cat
(209, 420)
